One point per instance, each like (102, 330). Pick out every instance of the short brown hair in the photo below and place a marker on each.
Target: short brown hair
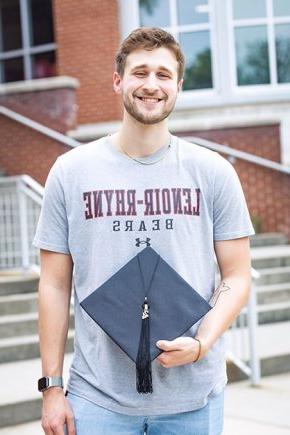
(148, 38)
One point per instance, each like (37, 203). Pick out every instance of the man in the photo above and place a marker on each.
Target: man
(104, 202)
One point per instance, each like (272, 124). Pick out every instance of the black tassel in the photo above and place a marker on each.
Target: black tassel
(143, 362)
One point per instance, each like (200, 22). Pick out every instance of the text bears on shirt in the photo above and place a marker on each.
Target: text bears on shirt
(158, 201)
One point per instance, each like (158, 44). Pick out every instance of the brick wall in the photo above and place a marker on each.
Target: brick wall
(263, 141)
(54, 108)
(87, 34)
(266, 191)
(24, 151)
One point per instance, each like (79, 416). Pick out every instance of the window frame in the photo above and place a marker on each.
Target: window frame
(269, 22)
(27, 51)
(225, 89)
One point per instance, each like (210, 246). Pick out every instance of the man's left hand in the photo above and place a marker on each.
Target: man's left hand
(182, 350)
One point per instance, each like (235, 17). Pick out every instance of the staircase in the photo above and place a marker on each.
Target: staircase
(20, 365)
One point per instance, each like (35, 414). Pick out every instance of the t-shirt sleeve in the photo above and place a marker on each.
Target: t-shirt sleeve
(231, 218)
(52, 228)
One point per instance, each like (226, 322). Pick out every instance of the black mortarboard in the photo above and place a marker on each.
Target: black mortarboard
(143, 302)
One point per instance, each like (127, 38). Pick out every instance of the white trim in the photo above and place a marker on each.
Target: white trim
(213, 45)
(44, 84)
(285, 139)
(39, 127)
(173, 16)
(228, 117)
(260, 21)
(129, 16)
(24, 20)
(222, 46)
(44, 48)
(281, 20)
(186, 28)
(271, 44)
(245, 22)
(230, 46)
(87, 132)
(11, 54)
(250, 95)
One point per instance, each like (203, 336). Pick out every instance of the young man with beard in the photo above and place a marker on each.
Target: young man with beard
(104, 202)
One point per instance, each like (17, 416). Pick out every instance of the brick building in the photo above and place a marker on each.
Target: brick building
(56, 65)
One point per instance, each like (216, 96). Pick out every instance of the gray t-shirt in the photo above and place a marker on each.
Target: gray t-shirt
(103, 208)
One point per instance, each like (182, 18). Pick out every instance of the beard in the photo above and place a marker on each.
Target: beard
(147, 117)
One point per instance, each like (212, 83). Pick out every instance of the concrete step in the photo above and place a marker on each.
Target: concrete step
(18, 304)
(273, 293)
(15, 281)
(268, 313)
(26, 347)
(274, 312)
(274, 275)
(13, 325)
(20, 401)
(270, 256)
(268, 239)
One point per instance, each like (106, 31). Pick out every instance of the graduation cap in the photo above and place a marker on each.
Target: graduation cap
(145, 301)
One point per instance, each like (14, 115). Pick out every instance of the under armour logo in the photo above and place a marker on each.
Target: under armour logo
(139, 242)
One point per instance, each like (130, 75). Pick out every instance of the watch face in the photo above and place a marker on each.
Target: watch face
(42, 384)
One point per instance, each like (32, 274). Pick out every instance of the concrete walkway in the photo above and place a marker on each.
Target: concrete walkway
(253, 411)
(264, 410)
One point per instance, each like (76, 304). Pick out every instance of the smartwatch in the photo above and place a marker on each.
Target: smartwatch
(48, 382)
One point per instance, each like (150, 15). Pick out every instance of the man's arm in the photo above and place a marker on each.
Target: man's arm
(234, 260)
(53, 307)
(233, 257)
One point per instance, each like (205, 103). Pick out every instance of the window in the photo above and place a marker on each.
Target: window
(261, 34)
(190, 23)
(27, 48)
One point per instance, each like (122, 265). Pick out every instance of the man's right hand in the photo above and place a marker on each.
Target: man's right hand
(56, 412)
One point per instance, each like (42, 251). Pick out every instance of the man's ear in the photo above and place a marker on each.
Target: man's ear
(179, 85)
(117, 83)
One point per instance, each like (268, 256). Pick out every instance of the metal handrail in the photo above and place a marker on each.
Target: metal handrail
(37, 187)
(253, 322)
(34, 125)
(22, 195)
(243, 155)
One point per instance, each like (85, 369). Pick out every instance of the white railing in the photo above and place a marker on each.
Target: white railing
(241, 338)
(20, 204)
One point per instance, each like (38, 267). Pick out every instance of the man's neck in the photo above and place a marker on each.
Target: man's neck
(139, 140)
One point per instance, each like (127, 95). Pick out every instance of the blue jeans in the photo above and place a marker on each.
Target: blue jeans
(91, 419)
